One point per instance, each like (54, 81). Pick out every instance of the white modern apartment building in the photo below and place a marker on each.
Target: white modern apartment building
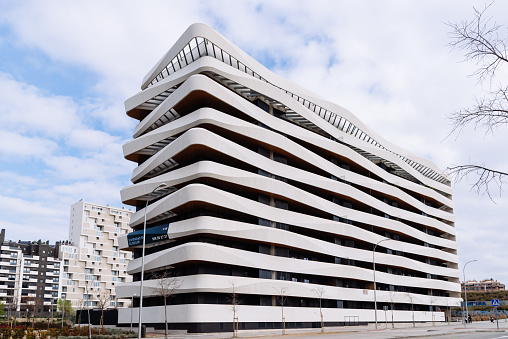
(30, 273)
(10, 274)
(93, 264)
(276, 191)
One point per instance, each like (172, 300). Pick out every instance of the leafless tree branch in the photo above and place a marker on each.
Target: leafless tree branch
(282, 295)
(480, 40)
(487, 112)
(485, 43)
(234, 301)
(486, 177)
(166, 287)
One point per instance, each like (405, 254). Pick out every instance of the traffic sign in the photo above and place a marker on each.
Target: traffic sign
(495, 302)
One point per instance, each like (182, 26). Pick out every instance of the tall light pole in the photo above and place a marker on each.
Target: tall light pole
(132, 307)
(163, 185)
(374, 270)
(63, 309)
(465, 289)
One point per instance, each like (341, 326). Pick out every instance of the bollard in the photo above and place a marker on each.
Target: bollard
(143, 331)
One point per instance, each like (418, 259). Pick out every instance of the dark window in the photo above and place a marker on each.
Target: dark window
(283, 276)
(265, 274)
(280, 158)
(265, 300)
(282, 226)
(264, 199)
(265, 249)
(279, 114)
(264, 222)
(263, 173)
(263, 105)
(263, 151)
(281, 204)
(281, 252)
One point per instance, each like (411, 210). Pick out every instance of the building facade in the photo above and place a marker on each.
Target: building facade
(30, 276)
(280, 196)
(10, 274)
(93, 264)
(487, 285)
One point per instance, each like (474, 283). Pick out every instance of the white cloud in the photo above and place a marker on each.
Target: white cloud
(386, 61)
(26, 109)
(14, 146)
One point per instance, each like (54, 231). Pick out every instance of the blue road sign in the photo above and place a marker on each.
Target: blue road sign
(495, 302)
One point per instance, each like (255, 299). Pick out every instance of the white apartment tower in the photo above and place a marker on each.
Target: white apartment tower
(93, 264)
(277, 192)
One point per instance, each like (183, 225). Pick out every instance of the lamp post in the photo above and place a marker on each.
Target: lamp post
(163, 185)
(132, 307)
(465, 289)
(374, 270)
(88, 311)
(63, 310)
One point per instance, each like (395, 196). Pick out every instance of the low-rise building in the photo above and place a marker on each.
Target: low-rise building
(487, 285)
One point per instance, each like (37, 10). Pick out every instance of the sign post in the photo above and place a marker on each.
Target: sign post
(495, 303)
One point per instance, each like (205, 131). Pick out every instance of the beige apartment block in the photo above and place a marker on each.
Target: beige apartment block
(93, 265)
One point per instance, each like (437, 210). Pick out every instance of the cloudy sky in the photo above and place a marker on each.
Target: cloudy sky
(66, 67)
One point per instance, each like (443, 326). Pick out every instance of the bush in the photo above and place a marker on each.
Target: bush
(5, 332)
(18, 332)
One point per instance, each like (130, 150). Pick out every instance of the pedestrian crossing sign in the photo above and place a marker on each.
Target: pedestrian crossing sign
(495, 302)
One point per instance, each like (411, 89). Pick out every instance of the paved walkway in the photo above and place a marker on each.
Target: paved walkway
(400, 331)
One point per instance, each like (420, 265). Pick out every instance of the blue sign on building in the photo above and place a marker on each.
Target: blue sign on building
(153, 234)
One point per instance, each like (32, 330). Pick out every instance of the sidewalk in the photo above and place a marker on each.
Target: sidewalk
(400, 331)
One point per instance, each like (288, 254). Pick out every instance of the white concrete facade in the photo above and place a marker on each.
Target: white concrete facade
(272, 188)
(93, 264)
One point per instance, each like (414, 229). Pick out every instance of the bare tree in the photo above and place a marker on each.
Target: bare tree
(485, 43)
(432, 303)
(319, 292)
(88, 304)
(79, 303)
(392, 304)
(103, 299)
(448, 311)
(282, 295)
(411, 300)
(31, 304)
(234, 301)
(166, 286)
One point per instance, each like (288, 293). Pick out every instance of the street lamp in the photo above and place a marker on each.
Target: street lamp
(63, 309)
(132, 307)
(465, 289)
(374, 270)
(163, 185)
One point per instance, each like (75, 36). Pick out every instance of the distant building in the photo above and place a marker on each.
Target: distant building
(29, 276)
(487, 285)
(92, 262)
